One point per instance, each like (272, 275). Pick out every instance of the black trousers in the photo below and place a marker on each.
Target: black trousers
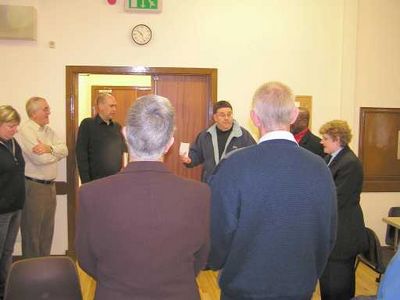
(338, 280)
(238, 297)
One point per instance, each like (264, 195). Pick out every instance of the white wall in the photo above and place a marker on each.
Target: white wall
(310, 45)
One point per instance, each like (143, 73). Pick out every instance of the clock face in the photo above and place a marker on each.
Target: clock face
(141, 34)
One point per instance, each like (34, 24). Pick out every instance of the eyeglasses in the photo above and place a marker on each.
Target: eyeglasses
(224, 115)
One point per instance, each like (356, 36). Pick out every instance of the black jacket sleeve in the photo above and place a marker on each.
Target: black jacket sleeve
(82, 150)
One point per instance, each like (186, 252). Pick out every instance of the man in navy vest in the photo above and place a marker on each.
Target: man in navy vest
(273, 209)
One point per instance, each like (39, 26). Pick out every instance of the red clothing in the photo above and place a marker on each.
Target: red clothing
(299, 136)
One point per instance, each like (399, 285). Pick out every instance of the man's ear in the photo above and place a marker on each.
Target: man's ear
(169, 145)
(294, 114)
(255, 119)
(215, 118)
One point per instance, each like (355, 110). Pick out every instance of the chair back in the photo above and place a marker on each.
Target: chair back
(373, 255)
(390, 230)
(51, 277)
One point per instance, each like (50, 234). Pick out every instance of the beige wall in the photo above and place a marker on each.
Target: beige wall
(316, 47)
(378, 82)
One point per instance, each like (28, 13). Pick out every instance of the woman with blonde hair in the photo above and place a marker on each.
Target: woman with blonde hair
(338, 279)
(12, 188)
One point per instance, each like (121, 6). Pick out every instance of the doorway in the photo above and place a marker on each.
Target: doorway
(192, 91)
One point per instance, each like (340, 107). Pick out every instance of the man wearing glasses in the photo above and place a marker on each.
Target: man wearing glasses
(42, 149)
(214, 143)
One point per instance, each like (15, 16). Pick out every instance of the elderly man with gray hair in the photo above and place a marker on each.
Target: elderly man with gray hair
(42, 149)
(273, 209)
(143, 233)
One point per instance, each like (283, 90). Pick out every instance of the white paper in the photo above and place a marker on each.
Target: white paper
(184, 149)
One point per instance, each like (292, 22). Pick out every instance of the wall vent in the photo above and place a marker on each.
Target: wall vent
(18, 22)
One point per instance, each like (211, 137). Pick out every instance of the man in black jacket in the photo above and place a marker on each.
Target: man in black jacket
(303, 135)
(100, 144)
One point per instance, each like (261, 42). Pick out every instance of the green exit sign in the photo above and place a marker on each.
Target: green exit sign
(143, 5)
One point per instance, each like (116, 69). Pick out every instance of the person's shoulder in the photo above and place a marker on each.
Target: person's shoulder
(116, 124)
(87, 121)
(244, 130)
(309, 155)
(205, 133)
(347, 155)
(307, 161)
(247, 136)
(99, 186)
(26, 131)
(349, 158)
(196, 190)
(313, 137)
(237, 157)
(26, 126)
(191, 183)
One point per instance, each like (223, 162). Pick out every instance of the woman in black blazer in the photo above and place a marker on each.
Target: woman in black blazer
(12, 188)
(338, 279)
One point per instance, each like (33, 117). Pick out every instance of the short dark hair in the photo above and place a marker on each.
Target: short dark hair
(221, 104)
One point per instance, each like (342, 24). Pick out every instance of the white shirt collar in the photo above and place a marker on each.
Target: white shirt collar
(277, 135)
(336, 153)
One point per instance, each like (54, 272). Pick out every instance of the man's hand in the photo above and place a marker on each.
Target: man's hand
(41, 148)
(185, 159)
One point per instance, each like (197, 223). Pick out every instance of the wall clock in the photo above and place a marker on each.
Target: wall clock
(141, 34)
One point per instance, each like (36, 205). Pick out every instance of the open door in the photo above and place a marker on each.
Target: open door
(190, 97)
(124, 95)
(192, 91)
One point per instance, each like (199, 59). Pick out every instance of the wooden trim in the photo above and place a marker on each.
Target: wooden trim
(72, 73)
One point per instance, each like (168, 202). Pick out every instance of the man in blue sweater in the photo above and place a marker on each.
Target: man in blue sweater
(273, 209)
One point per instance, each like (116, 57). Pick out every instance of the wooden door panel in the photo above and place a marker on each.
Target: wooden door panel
(379, 148)
(190, 97)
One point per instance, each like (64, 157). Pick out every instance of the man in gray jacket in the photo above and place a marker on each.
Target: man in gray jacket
(214, 143)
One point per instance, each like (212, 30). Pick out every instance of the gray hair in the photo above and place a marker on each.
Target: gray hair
(273, 102)
(9, 114)
(32, 105)
(150, 125)
(101, 98)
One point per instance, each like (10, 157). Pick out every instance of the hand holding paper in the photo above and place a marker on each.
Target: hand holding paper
(184, 153)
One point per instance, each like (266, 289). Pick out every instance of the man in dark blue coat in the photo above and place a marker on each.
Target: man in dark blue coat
(273, 209)
(215, 142)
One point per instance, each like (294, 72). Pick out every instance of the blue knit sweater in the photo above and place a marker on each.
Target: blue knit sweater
(273, 221)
